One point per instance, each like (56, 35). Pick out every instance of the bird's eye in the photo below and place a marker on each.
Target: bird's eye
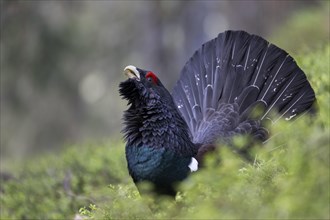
(151, 77)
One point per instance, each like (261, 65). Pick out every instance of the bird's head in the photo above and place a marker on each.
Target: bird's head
(143, 88)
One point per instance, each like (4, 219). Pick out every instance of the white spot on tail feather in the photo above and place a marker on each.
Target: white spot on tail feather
(289, 118)
(193, 166)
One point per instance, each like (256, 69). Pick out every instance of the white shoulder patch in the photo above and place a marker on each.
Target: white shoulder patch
(193, 166)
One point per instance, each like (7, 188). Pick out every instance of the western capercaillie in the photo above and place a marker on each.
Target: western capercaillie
(168, 134)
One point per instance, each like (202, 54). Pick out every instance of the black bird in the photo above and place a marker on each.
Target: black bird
(168, 134)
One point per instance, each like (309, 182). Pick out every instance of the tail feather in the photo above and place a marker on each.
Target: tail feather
(241, 69)
(249, 95)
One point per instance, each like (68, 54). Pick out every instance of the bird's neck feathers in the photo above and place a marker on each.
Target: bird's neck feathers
(157, 123)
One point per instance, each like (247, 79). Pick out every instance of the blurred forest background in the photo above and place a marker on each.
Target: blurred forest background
(62, 61)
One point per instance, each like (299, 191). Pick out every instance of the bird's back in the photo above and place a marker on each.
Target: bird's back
(232, 75)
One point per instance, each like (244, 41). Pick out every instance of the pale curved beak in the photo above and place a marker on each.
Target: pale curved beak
(131, 72)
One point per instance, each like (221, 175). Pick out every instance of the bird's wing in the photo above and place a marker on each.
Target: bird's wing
(232, 74)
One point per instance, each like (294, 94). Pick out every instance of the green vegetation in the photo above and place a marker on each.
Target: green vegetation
(56, 186)
(289, 178)
(307, 29)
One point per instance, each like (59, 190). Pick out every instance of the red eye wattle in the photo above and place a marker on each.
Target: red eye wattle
(152, 76)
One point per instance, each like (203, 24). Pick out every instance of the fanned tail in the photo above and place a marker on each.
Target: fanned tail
(232, 74)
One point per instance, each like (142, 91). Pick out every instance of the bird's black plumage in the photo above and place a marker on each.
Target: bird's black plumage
(158, 146)
(219, 87)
